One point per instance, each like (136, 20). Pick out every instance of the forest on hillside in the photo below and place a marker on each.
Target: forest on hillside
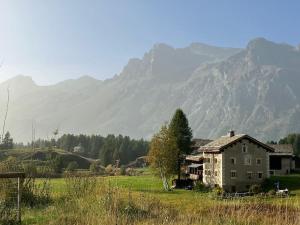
(108, 149)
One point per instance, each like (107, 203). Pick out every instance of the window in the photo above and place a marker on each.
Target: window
(233, 161)
(233, 174)
(260, 175)
(258, 161)
(216, 173)
(207, 160)
(207, 172)
(247, 160)
(244, 148)
(249, 175)
(215, 160)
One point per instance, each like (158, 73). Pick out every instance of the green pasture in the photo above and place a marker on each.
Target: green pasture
(150, 186)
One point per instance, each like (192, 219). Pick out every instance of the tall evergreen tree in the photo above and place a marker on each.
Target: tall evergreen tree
(7, 142)
(180, 129)
(296, 145)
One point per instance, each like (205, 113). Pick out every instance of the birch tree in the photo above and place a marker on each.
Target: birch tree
(162, 155)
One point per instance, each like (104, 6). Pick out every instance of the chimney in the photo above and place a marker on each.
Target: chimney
(231, 133)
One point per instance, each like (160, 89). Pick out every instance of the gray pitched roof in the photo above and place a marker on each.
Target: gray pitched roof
(282, 148)
(224, 141)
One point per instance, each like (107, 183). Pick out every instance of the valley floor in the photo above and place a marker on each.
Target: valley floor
(141, 200)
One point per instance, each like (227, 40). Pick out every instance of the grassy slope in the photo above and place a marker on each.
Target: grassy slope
(182, 200)
(38, 156)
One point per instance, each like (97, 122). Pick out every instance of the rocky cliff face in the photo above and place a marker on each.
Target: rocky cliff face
(253, 90)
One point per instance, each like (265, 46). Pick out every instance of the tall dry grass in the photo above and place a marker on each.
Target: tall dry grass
(106, 205)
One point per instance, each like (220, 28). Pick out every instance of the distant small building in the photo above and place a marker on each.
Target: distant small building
(282, 160)
(78, 149)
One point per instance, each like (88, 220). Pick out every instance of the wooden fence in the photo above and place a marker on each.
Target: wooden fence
(10, 201)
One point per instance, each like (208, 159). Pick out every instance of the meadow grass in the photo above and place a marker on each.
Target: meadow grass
(142, 200)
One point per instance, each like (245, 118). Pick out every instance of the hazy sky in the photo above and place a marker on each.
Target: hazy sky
(53, 40)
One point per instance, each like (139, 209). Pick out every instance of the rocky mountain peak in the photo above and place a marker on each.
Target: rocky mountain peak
(263, 52)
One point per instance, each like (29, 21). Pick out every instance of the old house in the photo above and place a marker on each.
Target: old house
(233, 162)
(282, 160)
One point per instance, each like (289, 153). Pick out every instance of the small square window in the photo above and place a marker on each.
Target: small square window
(258, 161)
(260, 175)
(207, 160)
(233, 174)
(233, 161)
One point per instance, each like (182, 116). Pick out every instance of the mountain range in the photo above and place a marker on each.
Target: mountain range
(254, 90)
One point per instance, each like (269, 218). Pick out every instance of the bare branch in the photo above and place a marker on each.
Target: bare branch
(5, 117)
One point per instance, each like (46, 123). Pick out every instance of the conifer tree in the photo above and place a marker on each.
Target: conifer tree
(180, 129)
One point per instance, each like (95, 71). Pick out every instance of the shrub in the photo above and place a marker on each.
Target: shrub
(109, 169)
(96, 168)
(255, 189)
(34, 194)
(72, 166)
(123, 170)
(131, 172)
(271, 192)
(200, 187)
(218, 191)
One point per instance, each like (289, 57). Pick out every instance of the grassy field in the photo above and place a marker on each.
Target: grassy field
(141, 200)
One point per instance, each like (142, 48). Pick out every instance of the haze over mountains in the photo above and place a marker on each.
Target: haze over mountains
(253, 90)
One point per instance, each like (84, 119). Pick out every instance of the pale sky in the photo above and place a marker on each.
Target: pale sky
(54, 40)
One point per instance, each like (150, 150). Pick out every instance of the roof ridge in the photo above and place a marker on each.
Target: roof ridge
(224, 141)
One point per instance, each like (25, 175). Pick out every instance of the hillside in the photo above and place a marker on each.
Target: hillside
(253, 90)
(41, 157)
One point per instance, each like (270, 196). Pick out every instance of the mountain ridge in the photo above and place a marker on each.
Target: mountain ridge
(252, 90)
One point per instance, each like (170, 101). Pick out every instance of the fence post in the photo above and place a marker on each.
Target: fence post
(18, 203)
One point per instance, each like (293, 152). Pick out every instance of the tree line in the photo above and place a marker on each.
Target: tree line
(108, 149)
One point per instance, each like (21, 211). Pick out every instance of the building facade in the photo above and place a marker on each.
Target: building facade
(235, 162)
